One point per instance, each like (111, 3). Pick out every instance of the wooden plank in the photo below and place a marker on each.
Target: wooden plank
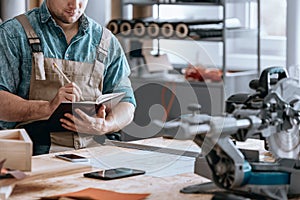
(47, 166)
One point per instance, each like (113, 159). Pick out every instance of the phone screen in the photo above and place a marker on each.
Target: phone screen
(72, 157)
(114, 173)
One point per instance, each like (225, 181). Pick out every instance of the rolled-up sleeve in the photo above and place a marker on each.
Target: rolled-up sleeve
(9, 73)
(116, 77)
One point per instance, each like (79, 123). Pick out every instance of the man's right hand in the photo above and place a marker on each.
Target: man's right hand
(69, 92)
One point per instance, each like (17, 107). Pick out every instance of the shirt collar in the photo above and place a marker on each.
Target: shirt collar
(45, 16)
(84, 23)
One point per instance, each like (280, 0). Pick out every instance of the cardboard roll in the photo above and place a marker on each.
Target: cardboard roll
(167, 30)
(126, 27)
(182, 30)
(139, 29)
(153, 29)
(114, 26)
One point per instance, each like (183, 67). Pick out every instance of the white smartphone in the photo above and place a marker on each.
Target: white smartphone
(72, 157)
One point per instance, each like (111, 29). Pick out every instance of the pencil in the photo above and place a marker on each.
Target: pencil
(61, 73)
(65, 77)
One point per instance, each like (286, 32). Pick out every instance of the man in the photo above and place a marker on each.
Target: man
(92, 58)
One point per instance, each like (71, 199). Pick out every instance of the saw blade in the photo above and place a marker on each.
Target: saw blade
(286, 143)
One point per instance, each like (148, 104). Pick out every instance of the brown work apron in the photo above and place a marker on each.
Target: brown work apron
(45, 81)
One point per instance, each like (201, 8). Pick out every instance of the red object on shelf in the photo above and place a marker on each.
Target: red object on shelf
(200, 73)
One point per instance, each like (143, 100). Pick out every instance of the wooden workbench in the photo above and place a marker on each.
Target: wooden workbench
(153, 182)
(160, 188)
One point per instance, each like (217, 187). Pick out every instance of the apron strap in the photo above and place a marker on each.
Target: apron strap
(102, 49)
(101, 53)
(35, 44)
(33, 39)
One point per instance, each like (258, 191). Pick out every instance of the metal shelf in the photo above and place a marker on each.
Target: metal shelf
(203, 3)
(151, 2)
(241, 32)
(206, 39)
(183, 4)
(230, 33)
(226, 33)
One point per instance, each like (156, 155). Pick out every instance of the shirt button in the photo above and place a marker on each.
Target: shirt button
(67, 55)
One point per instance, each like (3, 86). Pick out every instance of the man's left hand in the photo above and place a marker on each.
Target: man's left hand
(85, 123)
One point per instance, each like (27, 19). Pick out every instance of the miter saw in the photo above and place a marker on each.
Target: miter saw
(272, 114)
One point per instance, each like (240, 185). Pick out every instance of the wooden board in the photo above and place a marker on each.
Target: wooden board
(159, 188)
(48, 166)
(16, 148)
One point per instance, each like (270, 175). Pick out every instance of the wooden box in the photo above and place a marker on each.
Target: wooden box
(16, 147)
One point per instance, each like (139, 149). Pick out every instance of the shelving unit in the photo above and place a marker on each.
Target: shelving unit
(226, 33)
(152, 2)
(214, 105)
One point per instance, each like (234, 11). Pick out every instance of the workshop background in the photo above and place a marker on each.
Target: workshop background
(185, 52)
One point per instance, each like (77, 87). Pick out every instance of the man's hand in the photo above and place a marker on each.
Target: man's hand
(85, 123)
(105, 121)
(69, 92)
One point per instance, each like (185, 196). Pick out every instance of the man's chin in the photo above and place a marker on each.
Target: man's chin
(69, 21)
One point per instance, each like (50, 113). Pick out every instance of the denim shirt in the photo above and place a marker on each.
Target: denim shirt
(16, 56)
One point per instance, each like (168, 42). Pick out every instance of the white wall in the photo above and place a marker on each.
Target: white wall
(293, 31)
(11, 8)
(99, 10)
